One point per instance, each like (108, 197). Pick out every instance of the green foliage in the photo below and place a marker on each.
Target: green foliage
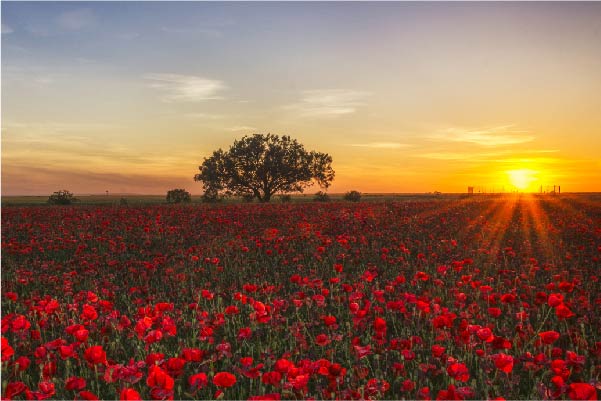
(321, 197)
(262, 165)
(352, 196)
(286, 198)
(178, 196)
(62, 197)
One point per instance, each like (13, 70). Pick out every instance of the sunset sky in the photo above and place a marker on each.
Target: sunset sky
(406, 97)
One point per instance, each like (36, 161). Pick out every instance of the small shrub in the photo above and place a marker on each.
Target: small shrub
(248, 198)
(352, 196)
(210, 197)
(178, 196)
(123, 202)
(285, 198)
(321, 197)
(62, 197)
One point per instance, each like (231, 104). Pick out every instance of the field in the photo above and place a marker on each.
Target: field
(418, 298)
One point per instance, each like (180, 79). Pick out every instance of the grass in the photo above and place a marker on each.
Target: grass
(140, 200)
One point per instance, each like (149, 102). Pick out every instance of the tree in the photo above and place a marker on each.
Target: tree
(262, 165)
(62, 197)
(178, 196)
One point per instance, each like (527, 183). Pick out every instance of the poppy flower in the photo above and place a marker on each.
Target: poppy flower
(437, 350)
(503, 362)
(198, 381)
(95, 355)
(13, 389)
(274, 378)
(75, 383)
(7, 350)
(224, 379)
(88, 395)
(322, 340)
(266, 397)
(129, 394)
(555, 300)
(458, 371)
(157, 377)
(582, 391)
(563, 312)
(549, 337)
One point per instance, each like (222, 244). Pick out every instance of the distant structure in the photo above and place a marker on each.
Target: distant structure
(470, 190)
(555, 191)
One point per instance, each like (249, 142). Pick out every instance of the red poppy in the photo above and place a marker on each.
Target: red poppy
(437, 350)
(266, 397)
(563, 312)
(75, 383)
(582, 391)
(95, 355)
(458, 371)
(198, 381)
(7, 350)
(494, 312)
(129, 394)
(322, 340)
(555, 300)
(273, 378)
(503, 362)
(549, 337)
(157, 377)
(224, 379)
(88, 395)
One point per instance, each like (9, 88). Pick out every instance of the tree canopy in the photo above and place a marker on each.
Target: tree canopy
(263, 165)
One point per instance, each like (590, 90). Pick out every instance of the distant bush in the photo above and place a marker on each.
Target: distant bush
(123, 202)
(285, 198)
(211, 197)
(248, 198)
(321, 197)
(352, 196)
(178, 196)
(63, 197)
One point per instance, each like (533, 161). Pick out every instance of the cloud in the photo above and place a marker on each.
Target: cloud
(489, 137)
(242, 128)
(76, 19)
(207, 32)
(203, 116)
(328, 102)
(185, 88)
(380, 145)
(6, 29)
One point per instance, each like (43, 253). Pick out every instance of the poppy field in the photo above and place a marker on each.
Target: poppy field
(476, 298)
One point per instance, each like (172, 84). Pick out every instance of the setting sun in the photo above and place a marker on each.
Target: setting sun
(522, 178)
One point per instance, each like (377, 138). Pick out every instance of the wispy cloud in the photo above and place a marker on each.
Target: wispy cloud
(76, 19)
(185, 88)
(6, 29)
(196, 31)
(493, 156)
(203, 116)
(493, 136)
(380, 145)
(328, 102)
(242, 128)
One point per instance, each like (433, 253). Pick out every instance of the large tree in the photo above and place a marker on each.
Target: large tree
(262, 165)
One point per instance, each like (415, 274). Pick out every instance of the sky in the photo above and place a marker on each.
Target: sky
(405, 97)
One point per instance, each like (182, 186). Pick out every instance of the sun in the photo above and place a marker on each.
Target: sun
(521, 178)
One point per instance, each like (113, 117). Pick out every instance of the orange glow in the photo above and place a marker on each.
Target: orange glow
(522, 178)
